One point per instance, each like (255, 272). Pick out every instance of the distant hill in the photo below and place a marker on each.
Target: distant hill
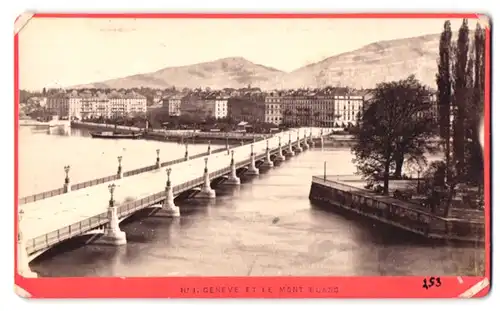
(371, 64)
(234, 72)
(362, 68)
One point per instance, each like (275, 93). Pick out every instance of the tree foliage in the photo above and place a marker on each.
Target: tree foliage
(395, 127)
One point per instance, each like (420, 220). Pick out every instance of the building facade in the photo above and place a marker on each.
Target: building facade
(349, 108)
(204, 107)
(337, 108)
(87, 104)
(173, 104)
(272, 109)
(247, 110)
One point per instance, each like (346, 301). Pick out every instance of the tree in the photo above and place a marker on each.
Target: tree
(474, 110)
(395, 127)
(460, 96)
(443, 81)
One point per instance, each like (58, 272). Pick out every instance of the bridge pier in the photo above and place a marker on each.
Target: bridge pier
(158, 164)
(168, 205)
(67, 183)
(23, 267)
(280, 157)
(186, 154)
(252, 169)
(120, 170)
(113, 235)
(306, 145)
(299, 148)
(291, 153)
(233, 178)
(206, 191)
(311, 140)
(267, 160)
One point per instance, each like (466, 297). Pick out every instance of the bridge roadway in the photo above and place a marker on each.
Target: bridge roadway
(52, 214)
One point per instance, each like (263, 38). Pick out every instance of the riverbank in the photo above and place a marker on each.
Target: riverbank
(177, 136)
(340, 195)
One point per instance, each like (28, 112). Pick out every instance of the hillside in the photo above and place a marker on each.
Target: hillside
(371, 64)
(234, 72)
(362, 68)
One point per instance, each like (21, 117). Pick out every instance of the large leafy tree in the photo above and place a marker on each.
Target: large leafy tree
(395, 127)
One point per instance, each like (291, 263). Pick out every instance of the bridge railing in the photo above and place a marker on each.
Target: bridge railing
(41, 196)
(397, 212)
(74, 230)
(94, 182)
(125, 209)
(97, 181)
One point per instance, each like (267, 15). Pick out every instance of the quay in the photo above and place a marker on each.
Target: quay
(407, 216)
(98, 210)
(53, 126)
(180, 136)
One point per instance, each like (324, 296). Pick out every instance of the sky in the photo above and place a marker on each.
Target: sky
(57, 52)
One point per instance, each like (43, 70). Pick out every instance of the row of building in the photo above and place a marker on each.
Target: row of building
(328, 107)
(290, 108)
(87, 104)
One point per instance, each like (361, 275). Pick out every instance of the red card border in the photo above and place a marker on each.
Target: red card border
(265, 287)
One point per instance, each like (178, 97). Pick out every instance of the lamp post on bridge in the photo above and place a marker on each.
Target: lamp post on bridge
(111, 188)
(120, 171)
(23, 267)
(112, 233)
(209, 148)
(186, 153)
(67, 184)
(158, 165)
(169, 171)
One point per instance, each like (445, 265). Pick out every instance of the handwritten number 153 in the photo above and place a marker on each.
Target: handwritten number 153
(431, 282)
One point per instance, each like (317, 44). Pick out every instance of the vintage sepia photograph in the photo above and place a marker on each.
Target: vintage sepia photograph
(160, 147)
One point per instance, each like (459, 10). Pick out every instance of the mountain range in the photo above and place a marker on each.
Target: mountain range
(362, 68)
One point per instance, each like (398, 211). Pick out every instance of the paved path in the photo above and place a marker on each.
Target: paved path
(44, 216)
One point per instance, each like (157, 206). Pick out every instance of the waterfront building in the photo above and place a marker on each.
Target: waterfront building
(87, 104)
(272, 109)
(208, 106)
(331, 107)
(246, 109)
(173, 104)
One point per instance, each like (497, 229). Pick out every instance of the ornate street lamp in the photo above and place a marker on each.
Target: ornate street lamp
(66, 170)
(169, 170)
(119, 164)
(111, 192)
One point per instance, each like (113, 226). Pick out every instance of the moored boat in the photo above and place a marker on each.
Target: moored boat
(116, 135)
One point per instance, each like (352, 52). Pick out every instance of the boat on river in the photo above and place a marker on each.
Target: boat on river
(116, 135)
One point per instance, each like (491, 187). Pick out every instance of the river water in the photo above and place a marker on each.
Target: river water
(264, 227)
